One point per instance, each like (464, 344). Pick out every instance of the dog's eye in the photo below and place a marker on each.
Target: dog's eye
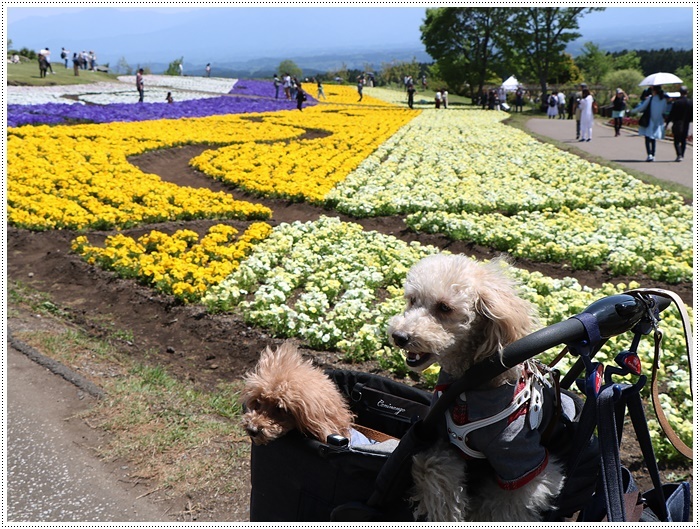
(444, 308)
(411, 301)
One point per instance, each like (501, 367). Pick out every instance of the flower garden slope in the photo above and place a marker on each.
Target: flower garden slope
(336, 286)
(78, 177)
(465, 174)
(305, 169)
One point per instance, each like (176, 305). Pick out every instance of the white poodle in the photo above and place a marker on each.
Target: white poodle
(490, 465)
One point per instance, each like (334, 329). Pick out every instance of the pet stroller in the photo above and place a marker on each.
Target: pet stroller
(297, 479)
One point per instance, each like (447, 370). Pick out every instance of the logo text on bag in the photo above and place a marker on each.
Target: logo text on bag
(395, 409)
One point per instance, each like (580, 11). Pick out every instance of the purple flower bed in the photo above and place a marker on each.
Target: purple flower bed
(253, 87)
(53, 113)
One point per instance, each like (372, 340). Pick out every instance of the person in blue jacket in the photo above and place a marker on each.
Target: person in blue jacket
(656, 129)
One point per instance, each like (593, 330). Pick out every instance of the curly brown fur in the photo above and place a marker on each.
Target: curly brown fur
(286, 392)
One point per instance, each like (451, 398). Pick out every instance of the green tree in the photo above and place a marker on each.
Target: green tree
(539, 35)
(290, 67)
(123, 67)
(395, 71)
(628, 80)
(463, 43)
(174, 67)
(627, 61)
(594, 63)
(686, 73)
(566, 72)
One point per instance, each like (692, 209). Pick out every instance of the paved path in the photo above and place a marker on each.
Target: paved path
(52, 474)
(626, 150)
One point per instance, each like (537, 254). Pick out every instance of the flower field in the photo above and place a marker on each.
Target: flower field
(461, 173)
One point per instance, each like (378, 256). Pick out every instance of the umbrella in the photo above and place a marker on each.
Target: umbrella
(660, 78)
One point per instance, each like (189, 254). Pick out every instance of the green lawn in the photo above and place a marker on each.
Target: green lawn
(27, 74)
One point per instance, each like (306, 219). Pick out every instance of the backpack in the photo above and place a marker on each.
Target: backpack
(553, 101)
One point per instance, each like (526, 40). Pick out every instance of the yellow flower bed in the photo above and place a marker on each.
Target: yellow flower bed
(305, 168)
(78, 176)
(345, 95)
(180, 264)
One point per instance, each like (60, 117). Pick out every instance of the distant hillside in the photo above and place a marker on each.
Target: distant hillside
(631, 38)
(310, 66)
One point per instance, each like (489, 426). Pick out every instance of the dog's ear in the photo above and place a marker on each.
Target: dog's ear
(508, 316)
(322, 410)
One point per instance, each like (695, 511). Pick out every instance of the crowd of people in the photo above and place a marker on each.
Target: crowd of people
(580, 105)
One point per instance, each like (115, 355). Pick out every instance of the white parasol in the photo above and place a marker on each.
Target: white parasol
(660, 78)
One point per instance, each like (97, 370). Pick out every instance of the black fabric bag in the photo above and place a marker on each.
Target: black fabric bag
(297, 479)
(645, 118)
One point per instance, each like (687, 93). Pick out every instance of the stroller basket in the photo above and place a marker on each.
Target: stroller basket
(298, 479)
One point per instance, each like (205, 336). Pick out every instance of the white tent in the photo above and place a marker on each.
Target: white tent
(511, 84)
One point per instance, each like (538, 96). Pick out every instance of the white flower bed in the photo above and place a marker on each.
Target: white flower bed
(39, 95)
(215, 85)
(466, 160)
(155, 89)
(336, 286)
(465, 174)
(151, 95)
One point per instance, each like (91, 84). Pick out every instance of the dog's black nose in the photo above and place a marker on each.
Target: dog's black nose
(252, 431)
(400, 338)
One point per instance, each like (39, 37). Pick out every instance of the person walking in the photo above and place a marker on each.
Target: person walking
(287, 85)
(444, 97)
(300, 95)
(139, 84)
(519, 99)
(207, 70)
(65, 55)
(46, 53)
(681, 115)
(438, 99)
(320, 93)
(587, 115)
(655, 129)
(76, 64)
(276, 84)
(411, 91)
(169, 97)
(619, 104)
(360, 85)
(552, 106)
(561, 104)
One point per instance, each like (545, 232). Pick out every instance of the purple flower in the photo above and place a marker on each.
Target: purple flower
(54, 113)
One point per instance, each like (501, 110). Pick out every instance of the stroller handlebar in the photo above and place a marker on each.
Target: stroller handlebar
(614, 314)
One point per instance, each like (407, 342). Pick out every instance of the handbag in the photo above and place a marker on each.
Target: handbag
(645, 118)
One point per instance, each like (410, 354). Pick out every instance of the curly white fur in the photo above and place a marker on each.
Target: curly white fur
(460, 311)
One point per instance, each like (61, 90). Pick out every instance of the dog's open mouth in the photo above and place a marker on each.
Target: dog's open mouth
(416, 360)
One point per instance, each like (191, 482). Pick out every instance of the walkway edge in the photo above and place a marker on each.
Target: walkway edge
(56, 367)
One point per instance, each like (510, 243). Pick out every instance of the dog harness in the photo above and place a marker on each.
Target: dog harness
(504, 425)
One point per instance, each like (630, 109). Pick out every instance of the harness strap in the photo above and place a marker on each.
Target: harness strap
(462, 431)
(610, 455)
